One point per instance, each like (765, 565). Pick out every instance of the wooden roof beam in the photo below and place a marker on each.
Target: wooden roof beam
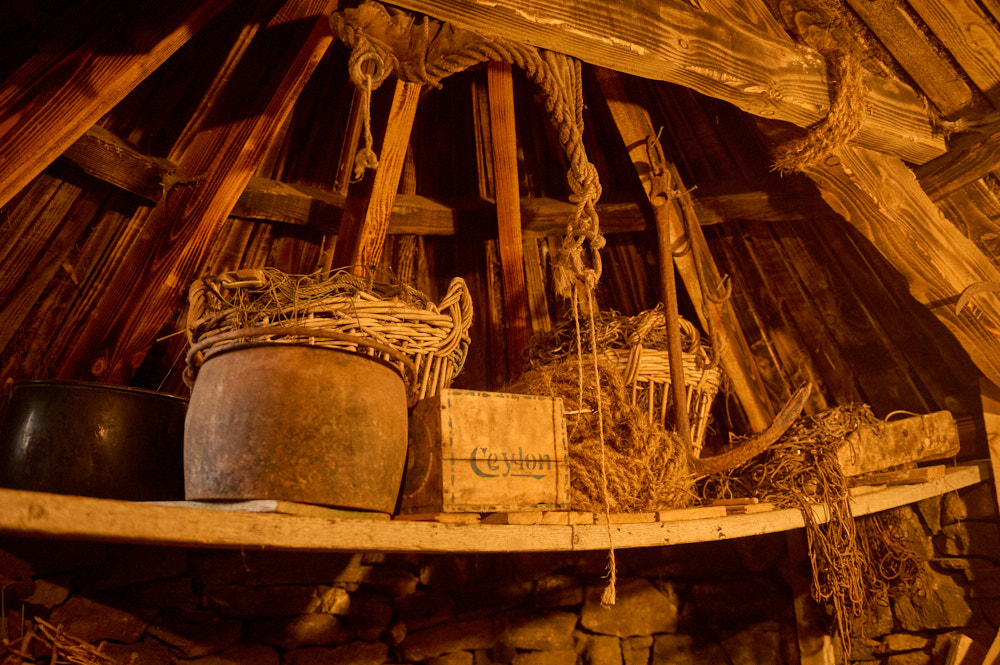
(729, 60)
(49, 103)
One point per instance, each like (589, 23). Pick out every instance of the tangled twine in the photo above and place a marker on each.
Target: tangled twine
(851, 566)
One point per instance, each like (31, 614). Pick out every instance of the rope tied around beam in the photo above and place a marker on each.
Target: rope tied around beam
(848, 89)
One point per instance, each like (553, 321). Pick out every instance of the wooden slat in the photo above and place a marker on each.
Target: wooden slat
(104, 155)
(503, 140)
(144, 293)
(367, 211)
(935, 75)
(37, 514)
(971, 38)
(969, 158)
(635, 128)
(46, 105)
(729, 60)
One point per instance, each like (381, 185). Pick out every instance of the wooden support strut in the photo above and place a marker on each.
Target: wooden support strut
(367, 210)
(636, 129)
(504, 142)
(220, 160)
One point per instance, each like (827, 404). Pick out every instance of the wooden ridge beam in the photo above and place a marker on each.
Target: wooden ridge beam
(729, 60)
(47, 104)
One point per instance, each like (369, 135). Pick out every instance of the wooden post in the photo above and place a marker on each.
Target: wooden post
(366, 212)
(637, 132)
(503, 135)
(815, 646)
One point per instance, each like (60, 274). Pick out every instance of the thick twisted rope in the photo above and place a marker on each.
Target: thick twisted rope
(427, 51)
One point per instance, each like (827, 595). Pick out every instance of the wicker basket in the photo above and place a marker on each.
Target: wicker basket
(341, 310)
(646, 372)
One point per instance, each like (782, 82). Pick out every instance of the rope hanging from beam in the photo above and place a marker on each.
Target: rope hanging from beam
(426, 51)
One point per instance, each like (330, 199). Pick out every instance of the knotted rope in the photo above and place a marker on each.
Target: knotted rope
(427, 51)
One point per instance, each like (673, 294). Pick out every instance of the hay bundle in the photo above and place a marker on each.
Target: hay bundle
(646, 466)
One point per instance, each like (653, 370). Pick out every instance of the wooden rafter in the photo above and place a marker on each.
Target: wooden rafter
(730, 60)
(48, 104)
(219, 161)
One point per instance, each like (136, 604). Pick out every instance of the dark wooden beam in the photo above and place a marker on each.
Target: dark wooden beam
(670, 41)
(47, 104)
(107, 157)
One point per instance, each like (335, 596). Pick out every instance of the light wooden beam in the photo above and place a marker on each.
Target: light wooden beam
(48, 104)
(881, 198)
(366, 218)
(729, 60)
(696, 264)
(503, 141)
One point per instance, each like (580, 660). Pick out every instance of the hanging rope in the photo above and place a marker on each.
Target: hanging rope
(426, 51)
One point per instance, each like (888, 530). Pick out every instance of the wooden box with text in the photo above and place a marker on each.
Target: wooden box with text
(473, 451)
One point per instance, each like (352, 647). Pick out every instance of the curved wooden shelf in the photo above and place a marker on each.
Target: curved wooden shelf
(41, 515)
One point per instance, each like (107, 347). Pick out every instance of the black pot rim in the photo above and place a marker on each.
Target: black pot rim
(92, 385)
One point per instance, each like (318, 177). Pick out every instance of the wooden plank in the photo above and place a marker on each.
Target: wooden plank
(47, 104)
(276, 506)
(729, 60)
(694, 513)
(41, 515)
(970, 36)
(104, 155)
(367, 211)
(880, 197)
(503, 140)
(905, 476)
(884, 445)
(145, 292)
(935, 76)
(636, 129)
(969, 158)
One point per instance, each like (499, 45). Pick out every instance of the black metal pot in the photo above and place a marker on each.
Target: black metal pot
(71, 437)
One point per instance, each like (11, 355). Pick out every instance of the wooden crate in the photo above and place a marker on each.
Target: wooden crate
(474, 451)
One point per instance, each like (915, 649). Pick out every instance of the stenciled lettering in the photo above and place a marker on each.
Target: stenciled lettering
(489, 464)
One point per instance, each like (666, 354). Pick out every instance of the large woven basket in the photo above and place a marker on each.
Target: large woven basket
(646, 370)
(637, 347)
(427, 342)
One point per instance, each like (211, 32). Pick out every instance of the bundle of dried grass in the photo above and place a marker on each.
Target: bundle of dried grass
(56, 647)
(646, 466)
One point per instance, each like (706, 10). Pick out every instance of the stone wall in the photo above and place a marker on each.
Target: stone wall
(719, 603)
